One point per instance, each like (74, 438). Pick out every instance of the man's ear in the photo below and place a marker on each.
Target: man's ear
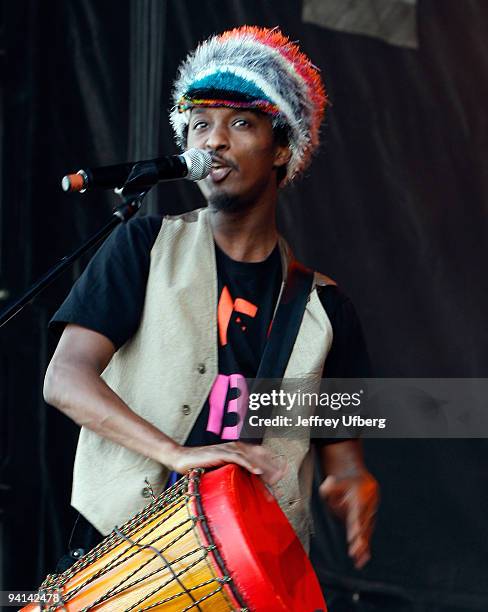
(282, 156)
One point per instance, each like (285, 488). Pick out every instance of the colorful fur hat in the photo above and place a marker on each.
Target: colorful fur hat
(251, 67)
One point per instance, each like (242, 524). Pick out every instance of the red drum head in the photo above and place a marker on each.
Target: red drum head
(259, 547)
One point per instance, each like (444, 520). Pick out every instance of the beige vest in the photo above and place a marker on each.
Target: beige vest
(165, 373)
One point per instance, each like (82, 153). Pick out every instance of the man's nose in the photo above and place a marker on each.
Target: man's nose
(217, 138)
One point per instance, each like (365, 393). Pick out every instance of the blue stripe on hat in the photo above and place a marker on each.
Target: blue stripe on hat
(228, 81)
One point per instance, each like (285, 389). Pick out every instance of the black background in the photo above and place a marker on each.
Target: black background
(394, 208)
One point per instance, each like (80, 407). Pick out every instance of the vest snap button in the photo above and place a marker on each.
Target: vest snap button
(186, 409)
(201, 368)
(146, 492)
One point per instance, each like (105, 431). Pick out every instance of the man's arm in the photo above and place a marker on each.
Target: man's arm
(351, 493)
(74, 386)
(350, 490)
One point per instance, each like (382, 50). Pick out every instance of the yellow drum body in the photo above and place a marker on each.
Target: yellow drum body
(155, 561)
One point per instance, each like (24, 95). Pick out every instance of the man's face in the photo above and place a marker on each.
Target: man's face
(245, 155)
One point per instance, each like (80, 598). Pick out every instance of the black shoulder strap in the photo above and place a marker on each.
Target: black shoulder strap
(286, 322)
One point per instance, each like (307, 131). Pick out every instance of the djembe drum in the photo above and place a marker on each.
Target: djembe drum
(215, 541)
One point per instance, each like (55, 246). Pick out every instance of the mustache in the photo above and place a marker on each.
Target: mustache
(223, 161)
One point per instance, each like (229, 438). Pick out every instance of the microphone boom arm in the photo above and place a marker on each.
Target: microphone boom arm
(142, 178)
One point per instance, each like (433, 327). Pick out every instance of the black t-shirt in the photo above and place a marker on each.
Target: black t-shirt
(109, 296)
(247, 294)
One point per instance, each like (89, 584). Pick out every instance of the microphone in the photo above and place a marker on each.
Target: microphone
(194, 165)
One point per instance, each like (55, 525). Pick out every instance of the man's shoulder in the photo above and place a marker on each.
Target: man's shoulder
(190, 216)
(336, 303)
(144, 226)
(330, 294)
(322, 280)
(142, 231)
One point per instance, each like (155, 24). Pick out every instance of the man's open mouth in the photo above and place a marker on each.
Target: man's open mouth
(219, 172)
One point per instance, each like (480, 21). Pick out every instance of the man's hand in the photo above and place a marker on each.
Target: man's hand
(253, 457)
(352, 494)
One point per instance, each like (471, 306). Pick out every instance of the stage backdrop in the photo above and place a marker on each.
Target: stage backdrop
(394, 208)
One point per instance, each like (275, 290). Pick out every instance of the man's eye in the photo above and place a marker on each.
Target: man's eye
(241, 122)
(198, 125)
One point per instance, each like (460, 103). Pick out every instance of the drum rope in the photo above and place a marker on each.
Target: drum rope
(172, 495)
(54, 582)
(110, 566)
(193, 480)
(147, 596)
(163, 559)
(114, 592)
(176, 595)
(208, 535)
(99, 551)
(169, 503)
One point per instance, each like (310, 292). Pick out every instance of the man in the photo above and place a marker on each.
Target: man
(171, 311)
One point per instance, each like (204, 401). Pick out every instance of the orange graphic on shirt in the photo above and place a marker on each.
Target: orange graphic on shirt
(226, 307)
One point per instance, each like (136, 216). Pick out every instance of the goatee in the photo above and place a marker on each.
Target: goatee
(225, 202)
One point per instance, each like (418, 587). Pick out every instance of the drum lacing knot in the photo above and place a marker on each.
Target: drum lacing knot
(208, 549)
(51, 587)
(194, 475)
(198, 518)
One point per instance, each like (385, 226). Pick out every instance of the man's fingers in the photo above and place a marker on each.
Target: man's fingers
(241, 460)
(358, 545)
(327, 487)
(368, 519)
(361, 560)
(359, 536)
(272, 470)
(360, 523)
(368, 522)
(254, 458)
(257, 459)
(354, 506)
(331, 493)
(334, 493)
(353, 528)
(231, 455)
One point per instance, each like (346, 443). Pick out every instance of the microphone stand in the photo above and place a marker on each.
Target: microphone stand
(139, 182)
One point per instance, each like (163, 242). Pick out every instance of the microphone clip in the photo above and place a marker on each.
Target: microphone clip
(142, 177)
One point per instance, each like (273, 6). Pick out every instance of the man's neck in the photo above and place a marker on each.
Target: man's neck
(249, 235)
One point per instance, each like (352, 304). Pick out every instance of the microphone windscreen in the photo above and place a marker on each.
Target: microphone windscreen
(199, 164)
